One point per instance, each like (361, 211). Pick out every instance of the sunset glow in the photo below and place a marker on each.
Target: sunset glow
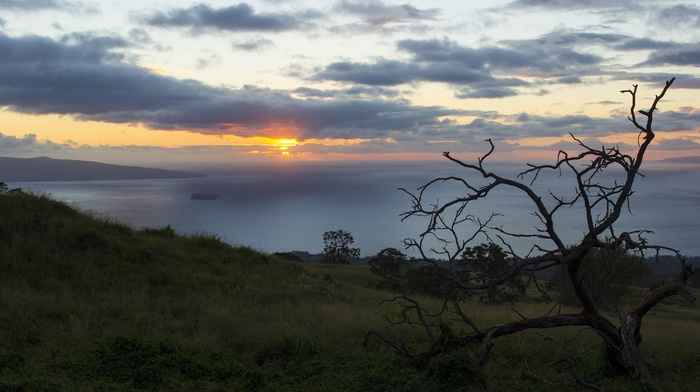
(343, 85)
(510, 152)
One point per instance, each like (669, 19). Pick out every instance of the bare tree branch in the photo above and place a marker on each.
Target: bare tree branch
(452, 228)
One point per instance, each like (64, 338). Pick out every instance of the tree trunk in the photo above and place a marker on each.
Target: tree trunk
(631, 323)
(630, 356)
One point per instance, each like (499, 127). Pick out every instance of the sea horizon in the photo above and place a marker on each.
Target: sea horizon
(280, 208)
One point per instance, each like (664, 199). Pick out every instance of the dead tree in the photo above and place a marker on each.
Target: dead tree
(599, 202)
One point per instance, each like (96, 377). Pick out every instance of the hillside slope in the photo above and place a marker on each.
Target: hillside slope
(93, 304)
(89, 304)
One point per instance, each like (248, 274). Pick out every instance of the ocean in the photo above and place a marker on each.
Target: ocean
(288, 207)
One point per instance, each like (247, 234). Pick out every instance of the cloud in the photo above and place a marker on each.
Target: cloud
(679, 15)
(489, 92)
(140, 36)
(567, 4)
(657, 79)
(86, 77)
(381, 73)
(42, 5)
(29, 143)
(32, 5)
(242, 17)
(351, 92)
(90, 82)
(29, 146)
(78, 48)
(483, 72)
(617, 103)
(210, 60)
(378, 13)
(254, 45)
(683, 120)
(679, 144)
(378, 17)
(645, 44)
(678, 55)
(571, 145)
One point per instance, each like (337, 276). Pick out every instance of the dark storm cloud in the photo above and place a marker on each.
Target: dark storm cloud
(241, 17)
(571, 38)
(32, 5)
(682, 55)
(542, 126)
(680, 15)
(84, 76)
(93, 43)
(490, 92)
(351, 92)
(90, 82)
(476, 72)
(529, 125)
(381, 73)
(567, 4)
(645, 44)
(42, 5)
(392, 73)
(378, 13)
(35, 50)
(568, 80)
(657, 79)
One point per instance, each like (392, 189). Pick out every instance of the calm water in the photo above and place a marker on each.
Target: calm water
(289, 208)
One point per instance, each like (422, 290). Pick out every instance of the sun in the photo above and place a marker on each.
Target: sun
(284, 145)
(280, 145)
(285, 142)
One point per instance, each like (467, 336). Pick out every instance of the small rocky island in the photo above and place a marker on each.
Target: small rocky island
(203, 196)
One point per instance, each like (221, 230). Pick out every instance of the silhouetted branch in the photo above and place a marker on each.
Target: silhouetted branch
(452, 228)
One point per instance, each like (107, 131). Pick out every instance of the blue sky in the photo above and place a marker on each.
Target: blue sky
(229, 81)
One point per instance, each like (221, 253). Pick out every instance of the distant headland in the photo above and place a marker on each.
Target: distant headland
(49, 169)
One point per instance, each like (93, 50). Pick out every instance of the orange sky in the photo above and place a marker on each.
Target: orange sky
(353, 80)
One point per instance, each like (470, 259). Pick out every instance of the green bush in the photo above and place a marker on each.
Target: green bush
(10, 361)
(484, 262)
(147, 365)
(609, 274)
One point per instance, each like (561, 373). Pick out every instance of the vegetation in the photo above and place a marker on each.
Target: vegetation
(89, 304)
(391, 265)
(593, 272)
(337, 248)
(611, 276)
(486, 262)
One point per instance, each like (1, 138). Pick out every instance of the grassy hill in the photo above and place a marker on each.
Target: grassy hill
(87, 303)
(90, 304)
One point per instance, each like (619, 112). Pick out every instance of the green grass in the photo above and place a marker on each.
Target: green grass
(90, 304)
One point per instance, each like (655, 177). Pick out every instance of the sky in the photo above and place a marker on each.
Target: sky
(179, 82)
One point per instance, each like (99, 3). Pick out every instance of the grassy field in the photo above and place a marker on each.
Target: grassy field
(89, 304)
